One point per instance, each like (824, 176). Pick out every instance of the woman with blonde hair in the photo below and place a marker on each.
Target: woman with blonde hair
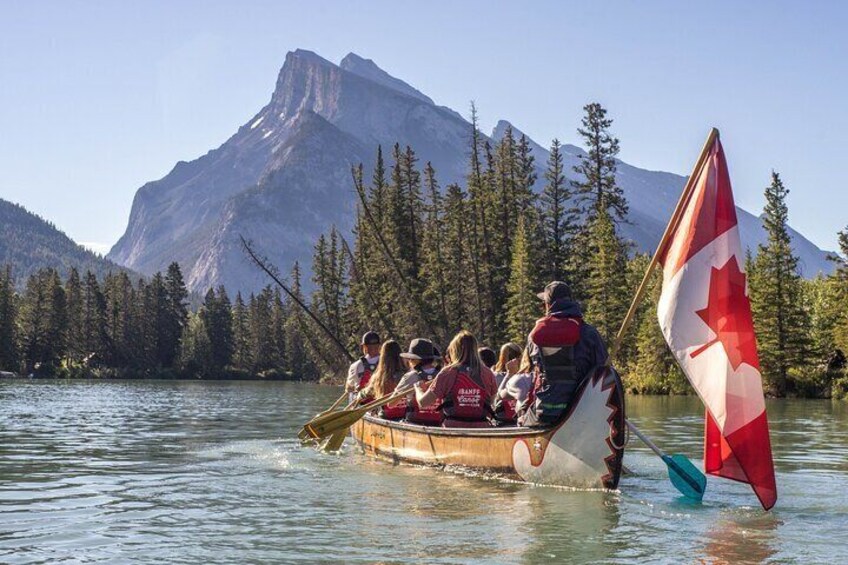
(507, 364)
(385, 379)
(465, 387)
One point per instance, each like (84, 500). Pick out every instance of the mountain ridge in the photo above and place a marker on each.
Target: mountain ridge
(291, 163)
(29, 243)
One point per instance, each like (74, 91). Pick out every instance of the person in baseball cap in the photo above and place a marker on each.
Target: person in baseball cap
(564, 351)
(360, 370)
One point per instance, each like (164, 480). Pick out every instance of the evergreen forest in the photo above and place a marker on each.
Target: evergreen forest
(427, 260)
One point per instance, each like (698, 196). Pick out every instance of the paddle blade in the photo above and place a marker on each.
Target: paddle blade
(686, 478)
(337, 421)
(334, 443)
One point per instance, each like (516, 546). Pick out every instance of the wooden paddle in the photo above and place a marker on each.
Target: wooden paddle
(303, 434)
(328, 424)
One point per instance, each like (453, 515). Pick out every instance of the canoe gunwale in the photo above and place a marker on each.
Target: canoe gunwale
(516, 432)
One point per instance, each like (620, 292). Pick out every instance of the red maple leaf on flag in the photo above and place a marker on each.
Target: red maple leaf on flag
(728, 314)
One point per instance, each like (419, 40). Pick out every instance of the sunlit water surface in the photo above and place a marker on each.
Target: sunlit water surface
(195, 472)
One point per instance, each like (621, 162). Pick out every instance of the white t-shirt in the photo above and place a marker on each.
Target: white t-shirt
(518, 386)
(354, 373)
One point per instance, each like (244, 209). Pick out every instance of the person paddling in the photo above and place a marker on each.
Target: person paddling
(421, 359)
(564, 350)
(384, 381)
(465, 387)
(360, 370)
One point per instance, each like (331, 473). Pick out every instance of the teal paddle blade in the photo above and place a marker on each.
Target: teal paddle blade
(687, 478)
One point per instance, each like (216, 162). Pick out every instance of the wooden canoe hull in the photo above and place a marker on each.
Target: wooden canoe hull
(585, 450)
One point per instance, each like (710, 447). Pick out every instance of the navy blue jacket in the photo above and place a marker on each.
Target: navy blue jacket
(589, 352)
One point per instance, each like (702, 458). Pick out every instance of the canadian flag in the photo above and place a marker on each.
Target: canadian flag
(705, 316)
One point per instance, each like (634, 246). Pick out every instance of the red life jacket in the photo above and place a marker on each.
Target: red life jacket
(556, 376)
(365, 377)
(395, 410)
(466, 400)
(430, 416)
(508, 413)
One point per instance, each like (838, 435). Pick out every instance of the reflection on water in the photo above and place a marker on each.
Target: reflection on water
(211, 472)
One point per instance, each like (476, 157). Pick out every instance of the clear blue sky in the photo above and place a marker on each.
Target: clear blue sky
(98, 97)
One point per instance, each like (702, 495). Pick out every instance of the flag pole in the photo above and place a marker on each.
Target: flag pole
(661, 247)
(683, 474)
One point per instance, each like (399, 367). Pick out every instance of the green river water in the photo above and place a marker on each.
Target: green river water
(202, 472)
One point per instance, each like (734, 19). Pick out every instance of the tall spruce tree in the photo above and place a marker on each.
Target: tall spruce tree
(9, 358)
(596, 189)
(176, 312)
(42, 324)
(522, 305)
(73, 299)
(217, 319)
(434, 271)
(241, 335)
(262, 344)
(461, 296)
(298, 361)
(606, 284)
(93, 339)
(120, 322)
(839, 280)
(776, 295)
(558, 217)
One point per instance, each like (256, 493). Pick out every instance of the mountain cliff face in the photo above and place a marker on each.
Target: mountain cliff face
(284, 177)
(29, 243)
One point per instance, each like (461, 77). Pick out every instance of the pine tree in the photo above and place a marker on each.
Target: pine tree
(606, 284)
(196, 356)
(480, 198)
(296, 355)
(9, 357)
(522, 305)
(526, 174)
(597, 191)
(93, 338)
(120, 321)
(278, 331)
(261, 343)
(558, 219)
(777, 297)
(73, 294)
(157, 313)
(434, 271)
(839, 280)
(241, 335)
(42, 324)
(461, 296)
(176, 312)
(217, 319)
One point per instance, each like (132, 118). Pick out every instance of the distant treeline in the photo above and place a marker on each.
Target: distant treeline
(428, 261)
(82, 327)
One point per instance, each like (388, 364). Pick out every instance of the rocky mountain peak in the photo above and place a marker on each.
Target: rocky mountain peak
(367, 68)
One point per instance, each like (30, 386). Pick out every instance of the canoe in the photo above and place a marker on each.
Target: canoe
(585, 450)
